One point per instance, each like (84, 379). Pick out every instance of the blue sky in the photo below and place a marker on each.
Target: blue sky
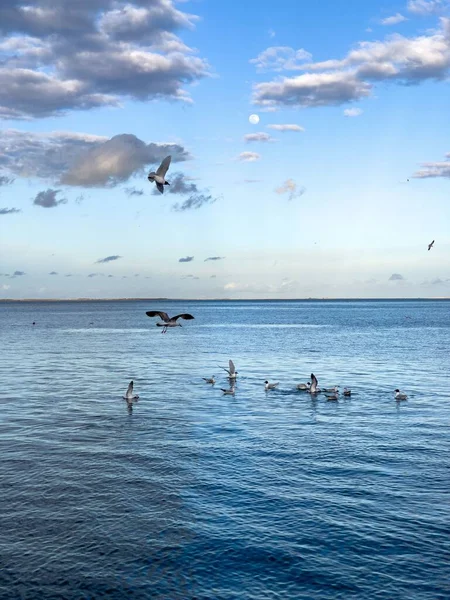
(93, 101)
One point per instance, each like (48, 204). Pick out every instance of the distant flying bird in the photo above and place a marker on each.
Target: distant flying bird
(212, 380)
(430, 245)
(313, 387)
(400, 395)
(168, 321)
(160, 176)
(129, 393)
(232, 373)
(270, 386)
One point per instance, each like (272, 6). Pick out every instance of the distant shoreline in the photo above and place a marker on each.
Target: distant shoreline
(444, 298)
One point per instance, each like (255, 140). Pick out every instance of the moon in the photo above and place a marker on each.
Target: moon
(254, 119)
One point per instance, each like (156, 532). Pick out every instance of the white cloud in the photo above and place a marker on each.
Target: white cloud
(258, 137)
(434, 169)
(248, 156)
(353, 112)
(5, 286)
(281, 58)
(427, 7)
(397, 18)
(291, 188)
(286, 127)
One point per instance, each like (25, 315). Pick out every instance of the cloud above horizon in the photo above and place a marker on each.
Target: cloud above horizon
(393, 20)
(108, 259)
(248, 157)
(9, 211)
(286, 127)
(260, 136)
(183, 185)
(47, 198)
(214, 258)
(396, 277)
(76, 55)
(281, 58)
(186, 259)
(434, 169)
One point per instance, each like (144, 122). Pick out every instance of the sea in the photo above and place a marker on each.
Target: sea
(190, 494)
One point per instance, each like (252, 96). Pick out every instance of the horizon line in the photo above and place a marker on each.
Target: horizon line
(163, 298)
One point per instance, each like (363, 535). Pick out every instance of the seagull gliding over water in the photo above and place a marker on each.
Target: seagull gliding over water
(168, 321)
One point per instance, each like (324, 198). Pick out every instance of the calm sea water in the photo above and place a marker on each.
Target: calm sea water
(196, 495)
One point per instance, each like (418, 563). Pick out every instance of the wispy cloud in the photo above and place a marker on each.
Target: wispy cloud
(393, 20)
(132, 191)
(353, 112)
(281, 58)
(182, 185)
(53, 273)
(286, 127)
(260, 136)
(428, 7)
(186, 259)
(214, 258)
(5, 180)
(9, 211)
(108, 259)
(18, 274)
(248, 156)
(434, 169)
(396, 277)
(291, 188)
(47, 199)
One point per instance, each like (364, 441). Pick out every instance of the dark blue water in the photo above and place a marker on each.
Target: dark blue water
(192, 494)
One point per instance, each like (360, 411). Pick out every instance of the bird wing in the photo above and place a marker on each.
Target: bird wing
(225, 369)
(182, 316)
(157, 313)
(129, 389)
(160, 187)
(313, 379)
(232, 370)
(164, 166)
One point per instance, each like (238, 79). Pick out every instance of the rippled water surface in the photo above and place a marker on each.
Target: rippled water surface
(192, 494)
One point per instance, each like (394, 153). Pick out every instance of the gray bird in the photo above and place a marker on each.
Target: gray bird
(160, 176)
(167, 321)
(129, 393)
(430, 245)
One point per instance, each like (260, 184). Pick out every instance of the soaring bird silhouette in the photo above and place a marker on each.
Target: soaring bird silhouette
(430, 245)
(168, 321)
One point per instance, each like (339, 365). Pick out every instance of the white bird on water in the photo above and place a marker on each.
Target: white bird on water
(303, 386)
(313, 389)
(270, 386)
(232, 373)
(209, 380)
(160, 176)
(168, 321)
(129, 393)
(400, 395)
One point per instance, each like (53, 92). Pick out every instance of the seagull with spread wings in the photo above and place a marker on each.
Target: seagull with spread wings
(232, 373)
(129, 393)
(430, 245)
(167, 321)
(160, 176)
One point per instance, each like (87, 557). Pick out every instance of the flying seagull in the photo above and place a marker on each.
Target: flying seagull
(232, 373)
(270, 386)
(168, 321)
(430, 245)
(210, 380)
(129, 394)
(160, 176)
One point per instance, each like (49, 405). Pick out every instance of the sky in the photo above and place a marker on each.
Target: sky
(336, 191)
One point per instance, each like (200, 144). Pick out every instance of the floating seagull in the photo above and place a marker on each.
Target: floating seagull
(160, 176)
(129, 394)
(333, 397)
(400, 395)
(347, 392)
(270, 386)
(430, 245)
(333, 390)
(304, 386)
(168, 321)
(212, 380)
(229, 392)
(232, 373)
(313, 389)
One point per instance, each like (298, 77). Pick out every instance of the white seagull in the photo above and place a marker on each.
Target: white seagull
(313, 389)
(211, 380)
(160, 176)
(333, 397)
(400, 395)
(232, 373)
(229, 392)
(270, 386)
(129, 393)
(168, 321)
(333, 390)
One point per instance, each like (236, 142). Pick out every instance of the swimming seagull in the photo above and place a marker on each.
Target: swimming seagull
(333, 390)
(347, 392)
(430, 245)
(313, 389)
(232, 373)
(270, 386)
(229, 392)
(304, 386)
(129, 394)
(160, 176)
(333, 397)
(212, 380)
(400, 395)
(168, 321)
